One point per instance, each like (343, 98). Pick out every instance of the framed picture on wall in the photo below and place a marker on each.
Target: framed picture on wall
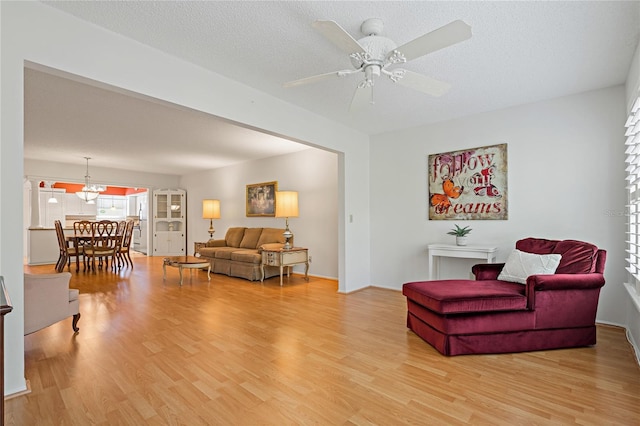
(261, 199)
(469, 184)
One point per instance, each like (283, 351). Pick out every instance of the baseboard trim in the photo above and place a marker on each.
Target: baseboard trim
(17, 394)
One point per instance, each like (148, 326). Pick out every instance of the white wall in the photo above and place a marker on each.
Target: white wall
(312, 172)
(632, 86)
(34, 32)
(565, 181)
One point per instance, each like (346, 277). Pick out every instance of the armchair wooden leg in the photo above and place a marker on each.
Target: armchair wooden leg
(74, 324)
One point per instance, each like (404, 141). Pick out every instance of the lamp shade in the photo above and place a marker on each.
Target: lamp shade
(286, 204)
(211, 209)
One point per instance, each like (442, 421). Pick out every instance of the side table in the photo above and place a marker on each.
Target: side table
(487, 253)
(288, 258)
(197, 246)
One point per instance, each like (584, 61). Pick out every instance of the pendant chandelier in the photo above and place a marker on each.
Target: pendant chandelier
(89, 192)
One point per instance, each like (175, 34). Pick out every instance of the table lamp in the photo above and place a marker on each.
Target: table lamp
(287, 206)
(211, 210)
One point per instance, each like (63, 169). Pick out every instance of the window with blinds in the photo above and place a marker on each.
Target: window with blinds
(633, 177)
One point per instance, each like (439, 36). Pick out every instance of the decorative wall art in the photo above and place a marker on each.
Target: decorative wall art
(261, 199)
(469, 184)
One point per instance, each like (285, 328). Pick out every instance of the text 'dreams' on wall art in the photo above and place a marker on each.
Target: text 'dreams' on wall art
(469, 184)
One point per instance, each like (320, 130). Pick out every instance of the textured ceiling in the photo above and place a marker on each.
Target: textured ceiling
(520, 51)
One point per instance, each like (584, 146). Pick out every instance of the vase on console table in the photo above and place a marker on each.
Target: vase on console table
(461, 241)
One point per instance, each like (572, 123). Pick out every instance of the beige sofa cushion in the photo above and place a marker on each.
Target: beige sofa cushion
(224, 252)
(250, 239)
(247, 256)
(208, 251)
(271, 235)
(234, 236)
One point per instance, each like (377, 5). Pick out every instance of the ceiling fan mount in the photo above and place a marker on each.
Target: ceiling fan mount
(374, 54)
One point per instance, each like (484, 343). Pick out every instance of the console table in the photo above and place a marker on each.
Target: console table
(285, 257)
(487, 253)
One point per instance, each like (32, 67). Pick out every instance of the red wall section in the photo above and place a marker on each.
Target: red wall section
(111, 190)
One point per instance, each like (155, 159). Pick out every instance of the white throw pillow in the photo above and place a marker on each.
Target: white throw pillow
(521, 264)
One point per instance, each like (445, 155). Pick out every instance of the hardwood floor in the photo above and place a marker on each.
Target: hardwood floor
(232, 352)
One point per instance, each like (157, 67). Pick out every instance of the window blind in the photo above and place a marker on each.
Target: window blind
(632, 160)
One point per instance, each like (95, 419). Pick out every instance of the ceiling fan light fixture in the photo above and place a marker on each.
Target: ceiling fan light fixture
(374, 54)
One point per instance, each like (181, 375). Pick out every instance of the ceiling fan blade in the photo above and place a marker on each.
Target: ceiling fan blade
(445, 36)
(338, 36)
(423, 84)
(311, 79)
(361, 98)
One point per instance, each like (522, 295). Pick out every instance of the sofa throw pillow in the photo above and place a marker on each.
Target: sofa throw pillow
(234, 236)
(521, 264)
(250, 238)
(271, 235)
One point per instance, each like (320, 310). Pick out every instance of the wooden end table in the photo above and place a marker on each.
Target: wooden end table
(185, 262)
(197, 246)
(288, 258)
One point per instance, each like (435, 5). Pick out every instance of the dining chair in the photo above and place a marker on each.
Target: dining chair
(66, 252)
(124, 256)
(82, 235)
(104, 244)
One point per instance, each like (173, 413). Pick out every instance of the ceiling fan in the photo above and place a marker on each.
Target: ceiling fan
(374, 55)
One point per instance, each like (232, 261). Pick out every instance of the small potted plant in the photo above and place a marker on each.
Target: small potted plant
(461, 234)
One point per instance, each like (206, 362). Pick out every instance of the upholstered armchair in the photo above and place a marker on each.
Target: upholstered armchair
(47, 300)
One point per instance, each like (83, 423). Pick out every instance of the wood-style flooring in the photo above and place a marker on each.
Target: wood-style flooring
(234, 352)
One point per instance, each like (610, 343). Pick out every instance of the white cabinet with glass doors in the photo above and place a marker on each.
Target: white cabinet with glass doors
(169, 222)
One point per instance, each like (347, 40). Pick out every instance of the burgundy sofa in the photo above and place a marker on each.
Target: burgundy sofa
(493, 316)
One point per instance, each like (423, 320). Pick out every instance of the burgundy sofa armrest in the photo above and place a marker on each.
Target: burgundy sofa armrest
(553, 282)
(487, 271)
(565, 281)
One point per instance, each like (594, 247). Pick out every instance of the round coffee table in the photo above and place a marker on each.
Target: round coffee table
(185, 262)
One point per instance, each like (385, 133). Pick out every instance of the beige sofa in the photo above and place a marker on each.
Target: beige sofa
(239, 253)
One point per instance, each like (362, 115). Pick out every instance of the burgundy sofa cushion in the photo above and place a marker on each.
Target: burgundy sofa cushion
(466, 296)
(578, 257)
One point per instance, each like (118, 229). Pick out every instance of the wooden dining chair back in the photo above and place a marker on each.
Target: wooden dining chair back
(104, 244)
(81, 229)
(62, 246)
(124, 256)
(122, 225)
(67, 251)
